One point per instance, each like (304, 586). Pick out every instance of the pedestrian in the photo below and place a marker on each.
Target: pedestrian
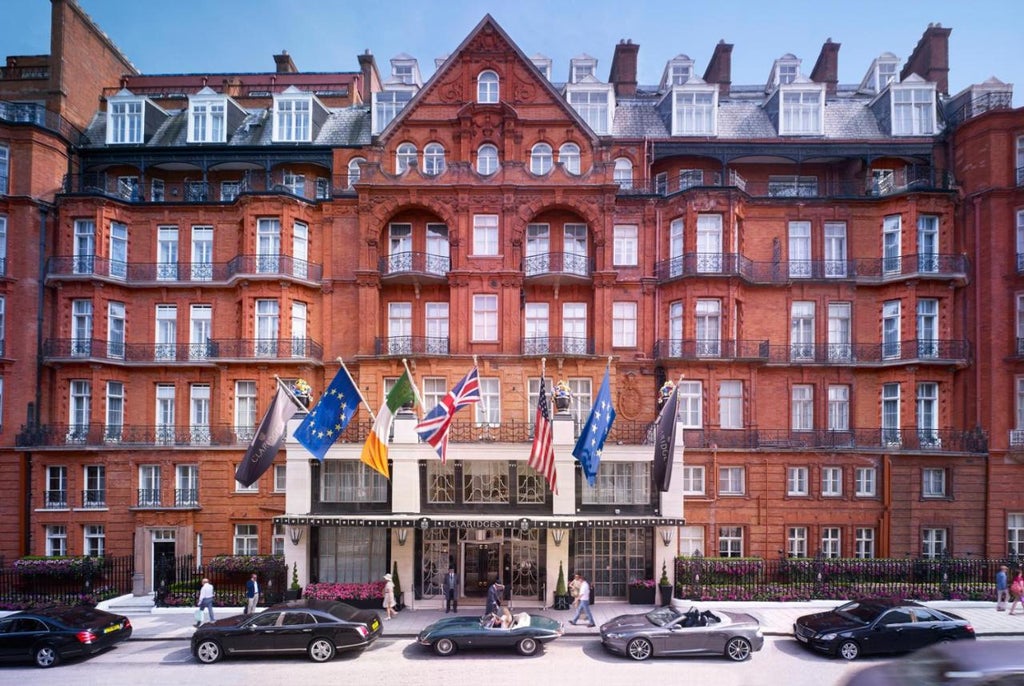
(252, 595)
(584, 598)
(389, 596)
(1017, 590)
(1002, 588)
(206, 601)
(574, 589)
(451, 591)
(494, 597)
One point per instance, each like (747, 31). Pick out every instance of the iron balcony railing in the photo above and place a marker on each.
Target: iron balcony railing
(411, 345)
(94, 498)
(132, 436)
(214, 350)
(782, 272)
(226, 189)
(923, 350)
(861, 439)
(34, 113)
(979, 104)
(55, 499)
(421, 263)
(560, 345)
(564, 263)
(171, 273)
(711, 349)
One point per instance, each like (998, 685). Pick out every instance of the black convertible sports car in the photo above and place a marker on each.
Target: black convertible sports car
(879, 625)
(672, 632)
(318, 628)
(48, 636)
(526, 634)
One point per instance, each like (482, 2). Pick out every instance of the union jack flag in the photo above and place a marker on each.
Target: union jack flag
(433, 428)
(542, 454)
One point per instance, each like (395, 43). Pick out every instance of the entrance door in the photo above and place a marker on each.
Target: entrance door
(481, 568)
(163, 559)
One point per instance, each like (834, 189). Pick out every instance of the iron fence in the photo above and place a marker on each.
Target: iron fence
(178, 580)
(47, 582)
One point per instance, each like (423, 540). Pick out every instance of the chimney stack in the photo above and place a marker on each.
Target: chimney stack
(284, 63)
(826, 69)
(930, 59)
(720, 67)
(623, 71)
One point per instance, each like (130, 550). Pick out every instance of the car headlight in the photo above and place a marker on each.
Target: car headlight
(828, 637)
(615, 636)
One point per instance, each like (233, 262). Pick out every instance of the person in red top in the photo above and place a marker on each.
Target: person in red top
(1017, 591)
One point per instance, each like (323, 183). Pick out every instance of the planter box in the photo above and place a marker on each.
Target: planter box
(666, 594)
(641, 596)
(562, 602)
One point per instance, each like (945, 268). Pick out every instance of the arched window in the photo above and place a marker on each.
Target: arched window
(623, 172)
(354, 171)
(540, 158)
(487, 88)
(487, 159)
(405, 157)
(433, 159)
(569, 157)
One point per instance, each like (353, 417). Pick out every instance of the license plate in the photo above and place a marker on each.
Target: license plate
(373, 627)
(112, 628)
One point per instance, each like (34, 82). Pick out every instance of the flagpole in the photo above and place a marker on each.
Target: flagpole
(412, 379)
(356, 386)
(287, 390)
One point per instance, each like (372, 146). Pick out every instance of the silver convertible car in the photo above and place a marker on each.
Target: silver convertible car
(669, 631)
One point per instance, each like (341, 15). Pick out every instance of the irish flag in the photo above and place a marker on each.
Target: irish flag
(375, 452)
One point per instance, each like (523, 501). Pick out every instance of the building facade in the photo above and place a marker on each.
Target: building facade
(824, 270)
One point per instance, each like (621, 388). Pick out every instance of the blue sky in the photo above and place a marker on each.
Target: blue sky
(214, 36)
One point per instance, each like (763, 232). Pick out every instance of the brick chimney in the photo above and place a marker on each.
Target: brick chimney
(930, 59)
(720, 67)
(826, 69)
(284, 63)
(623, 71)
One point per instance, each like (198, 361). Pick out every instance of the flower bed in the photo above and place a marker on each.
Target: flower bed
(347, 592)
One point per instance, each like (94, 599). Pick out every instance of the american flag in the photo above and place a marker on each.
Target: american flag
(542, 454)
(433, 428)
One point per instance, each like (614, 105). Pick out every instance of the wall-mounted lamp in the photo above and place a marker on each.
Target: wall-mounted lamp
(403, 535)
(558, 535)
(295, 534)
(666, 536)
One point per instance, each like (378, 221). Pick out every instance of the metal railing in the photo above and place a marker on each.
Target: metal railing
(131, 436)
(422, 263)
(411, 345)
(92, 580)
(560, 345)
(224, 189)
(922, 350)
(711, 349)
(563, 263)
(219, 350)
(171, 273)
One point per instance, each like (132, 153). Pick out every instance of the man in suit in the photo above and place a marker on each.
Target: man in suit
(252, 595)
(451, 591)
(494, 595)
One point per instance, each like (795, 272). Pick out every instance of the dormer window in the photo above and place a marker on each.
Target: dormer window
(543, 64)
(293, 118)
(405, 71)
(207, 117)
(125, 121)
(913, 108)
(487, 88)
(883, 71)
(694, 111)
(801, 110)
(785, 70)
(582, 68)
(678, 71)
(402, 73)
(594, 104)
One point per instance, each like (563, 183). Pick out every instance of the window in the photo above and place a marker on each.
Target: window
(277, 540)
(79, 411)
(124, 121)
(730, 541)
(186, 485)
(487, 88)
(485, 317)
(803, 407)
(593, 108)
(708, 322)
(801, 331)
(928, 415)
(623, 173)
(165, 414)
(569, 157)
(245, 410)
(690, 178)
(800, 250)
(405, 157)
(85, 246)
(801, 112)
(619, 483)
(693, 480)
(928, 327)
(202, 253)
(433, 159)
(118, 250)
(268, 245)
(3, 242)
(294, 183)
(399, 328)
(536, 331)
(246, 540)
(435, 388)
(206, 120)
(56, 540)
(149, 485)
(832, 481)
(690, 409)
(891, 329)
(485, 234)
(891, 244)
(865, 482)
(691, 540)
(730, 404)
(115, 411)
(625, 251)
(831, 541)
(864, 543)
(115, 329)
(199, 414)
(1015, 533)
(437, 328)
(787, 186)
(540, 158)
(933, 482)
(56, 494)
(488, 410)
(581, 68)
(485, 482)
(891, 414)
(95, 493)
(796, 541)
(267, 328)
(709, 243)
(694, 112)
(251, 488)
(928, 243)
(351, 481)
(661, 183)
(5, 169)
(167, 253)
(387, 105)
(933, 542)
(355, 172)
(574, 328)
(200, 332)
(796, 481)
(731, 481)
(293, 119)
(166, 335)
(840, 332)
(624, 324)
(839, 408)
(280, 478)
(574, 248)
(94, 540)
(913, 110)
(487, 159)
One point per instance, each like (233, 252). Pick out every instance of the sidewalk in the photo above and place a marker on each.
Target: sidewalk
(151, 624)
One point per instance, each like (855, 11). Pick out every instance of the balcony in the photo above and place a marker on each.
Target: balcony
(186, 497)
(94, 499)
(131, 436)
(557, 267)
(411, 345)
(154, 189)
(148, 497)
(557, 345)
(856, 440)
(183, 273)
(414, 267)
(711, 349)
(55, 500)
(209, 352)
(917, 351)
(33, 113)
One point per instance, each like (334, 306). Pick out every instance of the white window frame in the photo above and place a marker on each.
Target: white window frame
(594, 105)
(840, 332)
(694, 111)
(293, 118)
(834, 234)
(802, 407)
(913, 109)
(487, 159)
(485, 235)
(796, 541)
(831, 542)
(732, 481)
(488, 88)
(623, 173)
(691, 404)
(730, 404)
(94, 540)
(933, 542)
(892, 238)
(355, 171)
(831, 482)
(694, 480)
(569, 157)
(406, 156)
(541, 159)
(934, 482)
(246, 539)
(125, 121)
(800, 264)
(488, 410)
(245, 410)
(5, 169)
(864, 543)
(730, 541)
(624, 324)
(56, 540)
(207, 117)
(113, 426)
(433, 159)
(485, 317)
(891, 414)
(839, 407)
(797, 481)
(280, 478)
(865, 482)
(801, 110)
(625, 245)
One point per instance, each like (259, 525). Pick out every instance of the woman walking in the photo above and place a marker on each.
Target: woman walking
(1017, 590)
(389, 596)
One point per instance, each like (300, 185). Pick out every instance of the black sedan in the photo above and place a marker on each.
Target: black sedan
(669, 631)
(318, 628)
(526, 634)
(872, 626)
(48, 636)
(964, 663)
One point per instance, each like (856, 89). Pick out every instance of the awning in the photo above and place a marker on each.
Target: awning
(450, 522)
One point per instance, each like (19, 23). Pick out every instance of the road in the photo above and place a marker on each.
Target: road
(400, 661)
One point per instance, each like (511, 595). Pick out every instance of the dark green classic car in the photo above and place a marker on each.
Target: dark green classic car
(526, 634)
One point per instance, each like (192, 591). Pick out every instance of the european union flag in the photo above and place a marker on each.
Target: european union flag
(591, 441)
(330, 415)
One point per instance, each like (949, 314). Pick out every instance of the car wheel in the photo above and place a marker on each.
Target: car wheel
(209, 652)
(527, 646)
(849, 650)
(639, 649)
(444, 646)
(46, 656)
(321, 650)
(737, 649)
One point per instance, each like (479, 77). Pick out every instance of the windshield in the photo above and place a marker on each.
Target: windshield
(858, 612)
(662, 616)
